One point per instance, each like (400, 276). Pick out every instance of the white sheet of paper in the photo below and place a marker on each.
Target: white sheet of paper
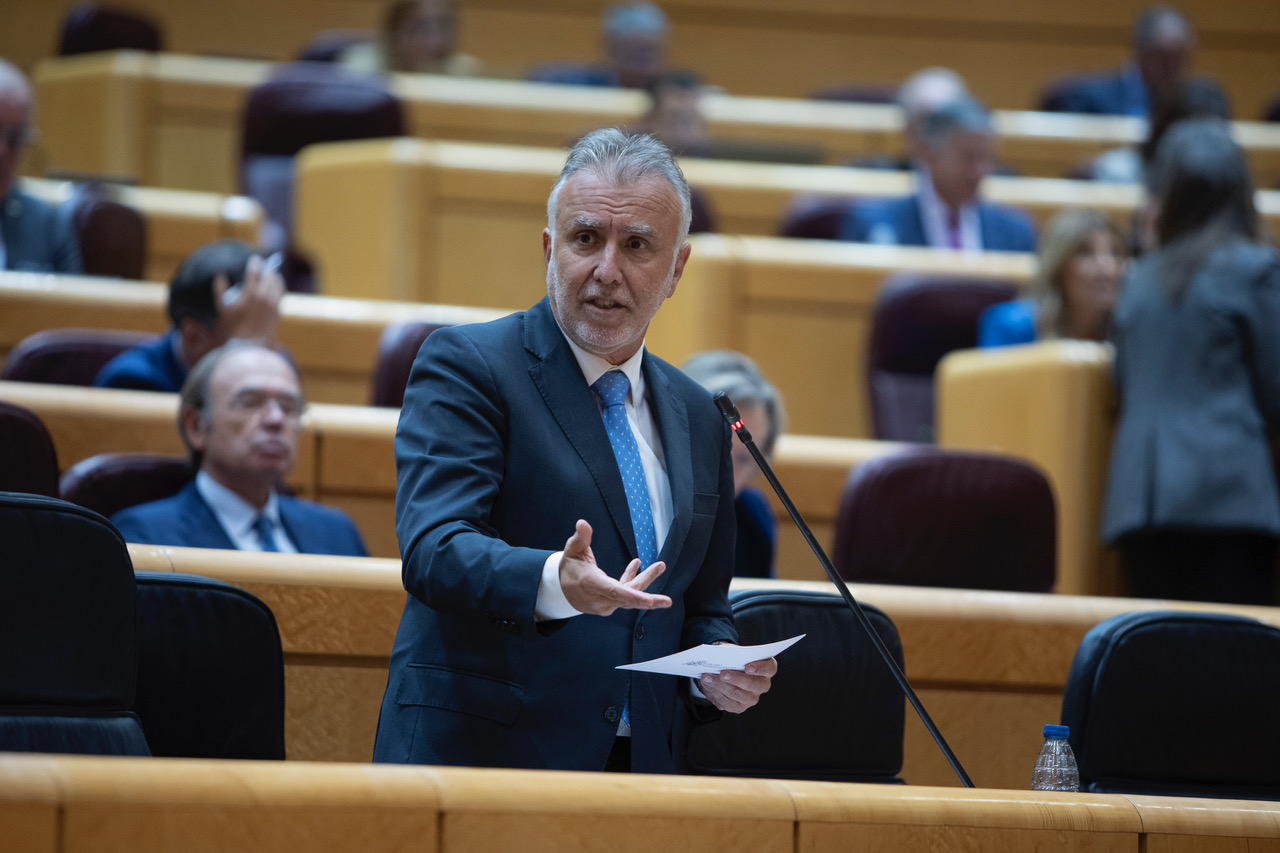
(705, 658)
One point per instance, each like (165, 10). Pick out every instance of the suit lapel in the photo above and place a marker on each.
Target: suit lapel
(559, 380)
(200, 524)
(673, 431)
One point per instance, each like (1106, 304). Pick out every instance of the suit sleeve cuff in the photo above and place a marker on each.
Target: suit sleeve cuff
(551, 603)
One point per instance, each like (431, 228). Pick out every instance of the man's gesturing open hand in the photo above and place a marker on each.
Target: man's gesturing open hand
(590, 590)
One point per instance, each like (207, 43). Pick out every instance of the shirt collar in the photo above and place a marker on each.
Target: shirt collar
(232, 510)
(593, 367)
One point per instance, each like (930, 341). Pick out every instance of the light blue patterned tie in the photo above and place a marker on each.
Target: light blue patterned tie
(266, 533)
(611, 388)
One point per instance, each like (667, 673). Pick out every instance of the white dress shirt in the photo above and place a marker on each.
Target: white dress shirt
(236, 515)
(935, 214)
(551, 603)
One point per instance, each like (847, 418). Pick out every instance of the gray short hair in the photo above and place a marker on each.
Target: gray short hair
(1152, 19)
(623, 158)
(627, 19)
(963, 114)
(738, 376)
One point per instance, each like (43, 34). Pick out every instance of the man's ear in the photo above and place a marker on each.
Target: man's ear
(682, 257)
(546, 246)
(191, 428)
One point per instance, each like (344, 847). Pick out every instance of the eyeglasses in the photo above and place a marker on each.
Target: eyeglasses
(255, 402)
(17, 135)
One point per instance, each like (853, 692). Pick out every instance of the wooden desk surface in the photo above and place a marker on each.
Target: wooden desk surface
(989, 666)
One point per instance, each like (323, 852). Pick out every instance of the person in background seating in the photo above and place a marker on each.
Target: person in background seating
(221, 292)
(240, 415)
(1074, 291)
(34, 236)
(762, 412)
(956, 153)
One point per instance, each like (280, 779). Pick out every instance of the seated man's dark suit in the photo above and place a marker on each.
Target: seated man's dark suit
(38, 237)
(1120, 94)
(500, 449)
(153, 366)
(898, 222)
(186, 521)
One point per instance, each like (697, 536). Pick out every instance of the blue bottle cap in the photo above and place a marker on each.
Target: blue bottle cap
(1056, 731)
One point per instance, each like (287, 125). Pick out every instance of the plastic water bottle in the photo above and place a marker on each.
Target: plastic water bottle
(1056, 764)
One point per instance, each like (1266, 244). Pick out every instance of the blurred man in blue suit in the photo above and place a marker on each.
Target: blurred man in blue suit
(34, 236)
(955, 153)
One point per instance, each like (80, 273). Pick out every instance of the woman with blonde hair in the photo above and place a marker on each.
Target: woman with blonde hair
(1077, 282)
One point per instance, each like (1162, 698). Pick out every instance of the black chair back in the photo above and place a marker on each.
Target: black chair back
(67, 356)
(210, 670)
(68, 631)
(1177, 703)
(834, 711)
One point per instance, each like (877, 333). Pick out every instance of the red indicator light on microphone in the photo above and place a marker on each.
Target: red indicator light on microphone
(736, 425)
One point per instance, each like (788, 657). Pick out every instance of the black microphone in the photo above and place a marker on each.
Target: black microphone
(730, 412)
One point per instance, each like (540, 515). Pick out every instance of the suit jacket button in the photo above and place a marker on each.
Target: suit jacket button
(639, 632)
(611, 714)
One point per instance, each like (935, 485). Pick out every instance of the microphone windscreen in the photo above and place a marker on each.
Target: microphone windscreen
(726, 407)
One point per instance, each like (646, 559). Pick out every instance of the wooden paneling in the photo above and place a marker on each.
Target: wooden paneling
(750, 47)
(173, 120)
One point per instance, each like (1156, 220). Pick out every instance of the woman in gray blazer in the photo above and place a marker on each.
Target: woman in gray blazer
(1192, 501)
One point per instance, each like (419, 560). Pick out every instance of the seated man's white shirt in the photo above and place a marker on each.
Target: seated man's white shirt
(934, 216)
(237, 516)
(551, 603)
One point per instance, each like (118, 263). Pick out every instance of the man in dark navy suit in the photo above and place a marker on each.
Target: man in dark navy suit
(1163, 40)
(239, 417)
(955, 153)
(34, 236)
(221, 292)
(556, 423)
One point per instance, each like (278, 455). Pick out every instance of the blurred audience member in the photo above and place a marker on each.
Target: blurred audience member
(955, 154)
(1192, 499)
(675, 114)
(1195, 97)
(34, 236)
(418, 36)
(760, 405)
(1162, 43)
(921, 94)
(1082, 260)
(240, 417)
(221, 292)
(634, 37)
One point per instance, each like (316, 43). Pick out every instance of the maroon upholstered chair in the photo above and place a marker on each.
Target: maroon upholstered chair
(929, 517)
(397, 348)
(112, 236)
(67, 356)
(302, 104)
(857, 93)
(918, 318)
(110, 482)
(28, 460)
(89, 28)
(814, 217)
(329, 45)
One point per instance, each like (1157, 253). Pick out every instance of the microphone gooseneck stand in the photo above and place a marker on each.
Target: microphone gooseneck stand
(730, 412)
